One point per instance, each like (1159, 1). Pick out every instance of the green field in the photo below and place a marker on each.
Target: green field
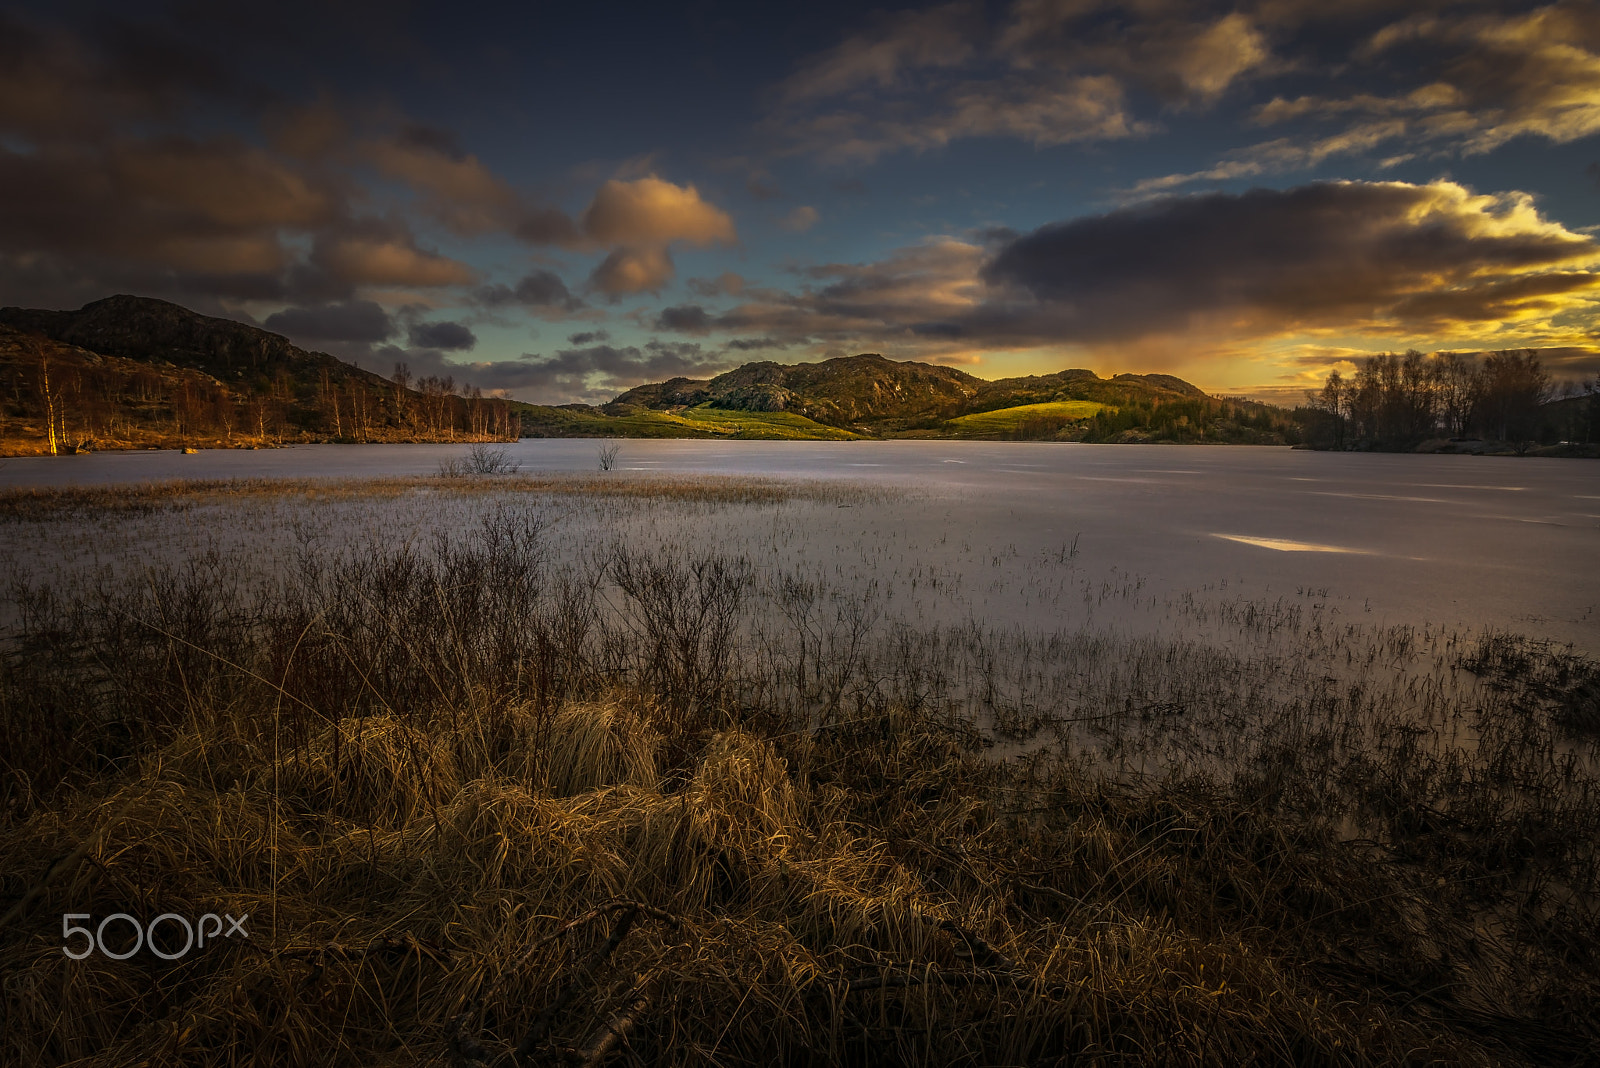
(769, 425)
(698, 422)
(1007, 422)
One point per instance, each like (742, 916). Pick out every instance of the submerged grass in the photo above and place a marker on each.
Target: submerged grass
(36, 503)
(659, 806)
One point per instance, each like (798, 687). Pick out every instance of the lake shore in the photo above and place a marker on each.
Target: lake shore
(775, 762)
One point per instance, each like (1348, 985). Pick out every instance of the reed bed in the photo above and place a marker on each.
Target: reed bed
(486, 803)
(46, 503)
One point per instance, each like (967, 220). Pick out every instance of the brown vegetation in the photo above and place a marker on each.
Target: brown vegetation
(487, 809)
(42, 503)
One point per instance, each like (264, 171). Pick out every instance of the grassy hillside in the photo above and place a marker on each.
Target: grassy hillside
(872, 396)
(865, 393)
(701, 421)
(1026, 421)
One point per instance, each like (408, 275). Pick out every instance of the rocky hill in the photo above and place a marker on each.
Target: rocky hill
(875, 395)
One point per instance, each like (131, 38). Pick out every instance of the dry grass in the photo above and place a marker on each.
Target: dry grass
(38, 503)
(475, 803)
(413, 890)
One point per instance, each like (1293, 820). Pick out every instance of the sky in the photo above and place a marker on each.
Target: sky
(557, 202)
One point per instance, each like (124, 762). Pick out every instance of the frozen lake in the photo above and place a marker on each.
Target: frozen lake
(1454, 541)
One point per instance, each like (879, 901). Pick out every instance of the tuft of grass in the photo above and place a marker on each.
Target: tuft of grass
(480, 458)
(1540, 677)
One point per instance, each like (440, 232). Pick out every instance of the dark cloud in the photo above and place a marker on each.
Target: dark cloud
(178, 215)
(540, 290)
(58, 86)
(450, 336)
(762, 187)
(459, 191)
(214, 206)
(1045, 73)
(373, 250)
(1328, 252)
(546, 226)
(589, 337)
(593, 373)
(684, 319)
(104, 181)
(1381, 259)
(353, 320)
(1454, 77)
(725, 284)
(1430, 80)
(753, 344)
(435, 139)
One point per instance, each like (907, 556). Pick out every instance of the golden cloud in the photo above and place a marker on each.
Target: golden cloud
(362, 260)
(652, 211)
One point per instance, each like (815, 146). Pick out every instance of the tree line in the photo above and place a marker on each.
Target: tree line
(1193, 419)
(1398, 400)
(83, 405)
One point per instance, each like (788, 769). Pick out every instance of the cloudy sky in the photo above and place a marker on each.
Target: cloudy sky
(559, 204)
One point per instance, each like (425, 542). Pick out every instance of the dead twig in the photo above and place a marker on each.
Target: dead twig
(981, 952)
(616, 1029)
(541, 1026)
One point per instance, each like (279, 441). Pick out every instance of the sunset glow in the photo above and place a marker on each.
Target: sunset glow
(557, 208)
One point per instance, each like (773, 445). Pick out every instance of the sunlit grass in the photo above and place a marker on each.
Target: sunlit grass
(769, 425)
(701, 421)
(1008, 422)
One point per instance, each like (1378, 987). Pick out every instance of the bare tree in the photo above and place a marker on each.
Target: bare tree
(1456, 387)
(52, 399)
(1334, 401)
(1515, 384)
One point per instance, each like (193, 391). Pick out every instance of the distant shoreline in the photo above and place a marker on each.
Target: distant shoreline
(12, 450)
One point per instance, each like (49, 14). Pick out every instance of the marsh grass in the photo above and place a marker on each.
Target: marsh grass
(481, 458)
(653, 804)
(40, 503)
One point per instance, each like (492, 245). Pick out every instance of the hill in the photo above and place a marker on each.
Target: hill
(134, 372)
(873, 396)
